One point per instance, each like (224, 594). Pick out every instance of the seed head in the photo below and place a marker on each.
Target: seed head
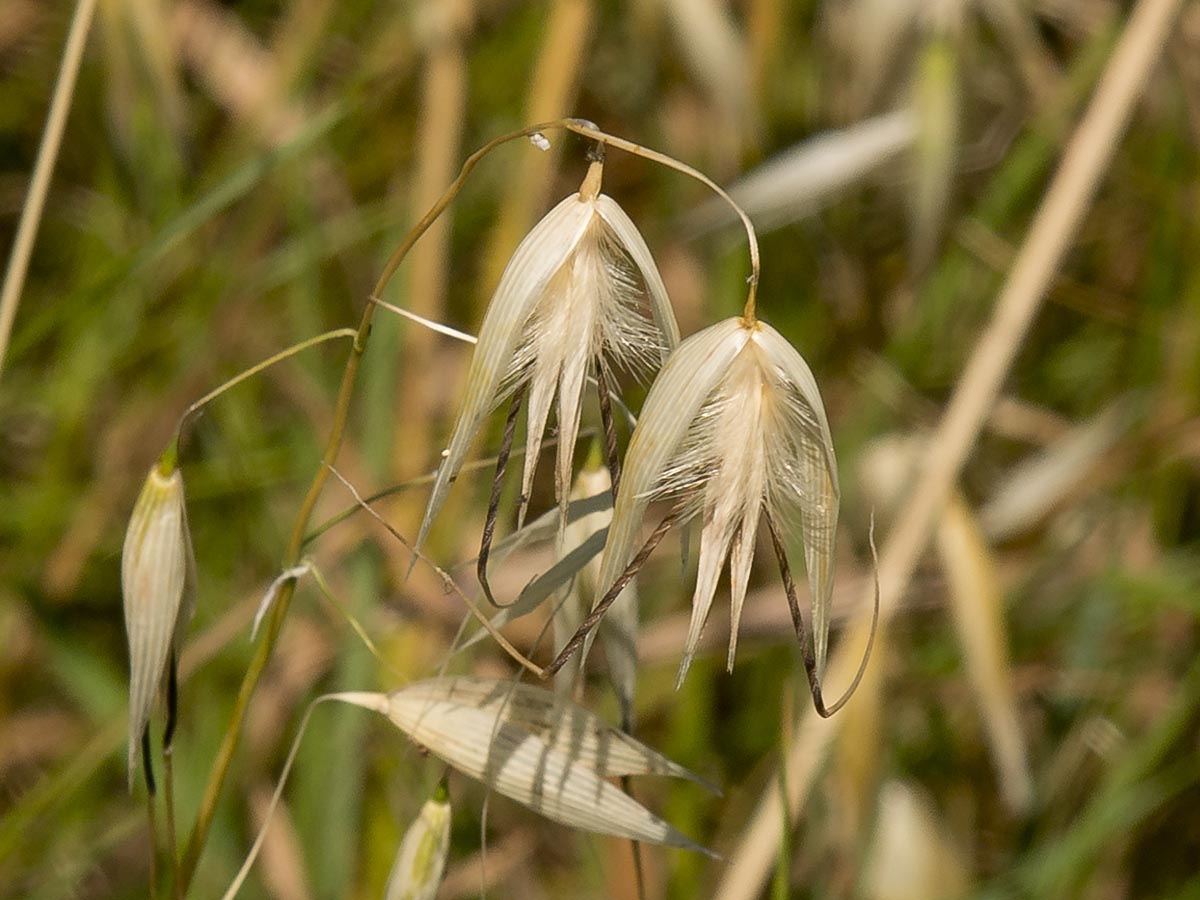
(732, 427)
(158, 583)
(569, 301)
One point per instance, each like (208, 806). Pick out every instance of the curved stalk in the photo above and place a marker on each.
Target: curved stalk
(587, 129)
(220, 389)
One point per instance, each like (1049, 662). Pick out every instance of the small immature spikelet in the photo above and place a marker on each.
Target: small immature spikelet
(733, 427)
(421, 859)
(158, 582)
(568, 304)
(618, 630)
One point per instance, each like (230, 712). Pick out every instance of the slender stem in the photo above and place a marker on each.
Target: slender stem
(341, 412)
(169, 773)
(39, 183)
(639, 872)
(587, 129)
(255, 369)
(152, 818)
(172, 838)
(148, 770)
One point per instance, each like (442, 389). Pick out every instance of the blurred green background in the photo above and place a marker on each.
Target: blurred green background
(233, 176)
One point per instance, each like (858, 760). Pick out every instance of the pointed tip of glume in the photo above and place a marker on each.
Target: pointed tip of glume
(683, 842)
(683, 670)
(412, 564)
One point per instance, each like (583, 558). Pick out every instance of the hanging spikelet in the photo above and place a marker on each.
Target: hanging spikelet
(619, 628)
(568, 305)
(733, 427)
(158, 582)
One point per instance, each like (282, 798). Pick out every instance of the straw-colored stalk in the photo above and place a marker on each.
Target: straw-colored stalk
(1054, 226)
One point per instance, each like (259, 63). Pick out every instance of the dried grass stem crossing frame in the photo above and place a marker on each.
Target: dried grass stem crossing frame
(1054, 227)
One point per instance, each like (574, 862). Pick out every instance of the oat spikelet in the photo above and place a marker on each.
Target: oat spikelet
(537, 748)
(569, 301)
(733, 427)
(618, 630)
(158, 583)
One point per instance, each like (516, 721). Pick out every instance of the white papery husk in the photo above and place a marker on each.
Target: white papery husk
(421, 860)
(733, 425)
(570, 295)
(537, 748)
(158, 585)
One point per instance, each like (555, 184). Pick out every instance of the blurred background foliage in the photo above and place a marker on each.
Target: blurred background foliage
(234, 175)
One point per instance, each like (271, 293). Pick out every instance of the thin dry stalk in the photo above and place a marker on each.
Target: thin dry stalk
(283, 868)
(1084, 162)
(39, 184)
(443, 101)
(715, 50)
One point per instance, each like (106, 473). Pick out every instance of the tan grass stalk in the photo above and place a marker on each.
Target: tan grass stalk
(912, 854)
(39, 184)
(715, 50)
(1050, 234)
(284, 873)
(444, 89)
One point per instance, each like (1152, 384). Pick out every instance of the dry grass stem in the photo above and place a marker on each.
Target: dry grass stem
(1050, 234)
(39, 183)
